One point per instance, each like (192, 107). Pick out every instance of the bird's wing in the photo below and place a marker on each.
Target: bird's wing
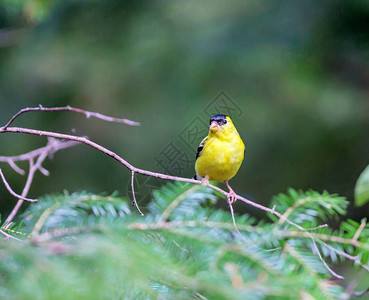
(201, 146)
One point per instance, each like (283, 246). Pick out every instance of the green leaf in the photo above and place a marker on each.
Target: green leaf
(362, 188)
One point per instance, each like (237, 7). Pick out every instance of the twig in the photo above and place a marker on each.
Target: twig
(88, 114)
(360, 294)
(346, 255)
(317, 227)
(134, 201)
(359, 230)
(329, 238)
(13, 165)
(233, 218)
(198, 295)
(24, 193)
(324, 262)
(11, 191)
(53, 146)
(9, 236)
(180, 247)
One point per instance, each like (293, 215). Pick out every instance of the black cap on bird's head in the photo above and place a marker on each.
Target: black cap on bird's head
(217, 118)
(217, 121)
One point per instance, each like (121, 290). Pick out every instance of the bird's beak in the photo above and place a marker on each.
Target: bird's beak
(214, 127)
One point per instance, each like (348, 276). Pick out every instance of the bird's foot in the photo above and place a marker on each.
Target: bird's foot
(205, 181)
(232, 196)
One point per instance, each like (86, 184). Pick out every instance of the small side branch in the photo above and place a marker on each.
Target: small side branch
(359, 230)
(355, 259)
(8, 236)
(233, 219)
(50, 148)
(24, 192)
(14, 166)
(11, 191)
(39, 155)
(360, 294)
(87, 113)
(134, 201)
(324, 262)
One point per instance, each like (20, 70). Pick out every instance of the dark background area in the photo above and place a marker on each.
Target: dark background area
(294, 75)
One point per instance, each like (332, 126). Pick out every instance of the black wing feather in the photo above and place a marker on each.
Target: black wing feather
(201, 146)
(199, 150)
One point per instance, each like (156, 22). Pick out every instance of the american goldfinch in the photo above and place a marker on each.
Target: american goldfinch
(220, 154)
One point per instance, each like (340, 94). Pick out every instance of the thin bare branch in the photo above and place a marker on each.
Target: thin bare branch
(44, 171)
(88, 114)
(14, 166)
(328, 238)
(233, 218)
(9, 236)
(134, 201)
(324, 262)
(359, 230)
(348, 256)
(51, 148)
(41, 154)
(198, 295)
(360, 294)
(11, 191)
(317, 227)
(24, 192)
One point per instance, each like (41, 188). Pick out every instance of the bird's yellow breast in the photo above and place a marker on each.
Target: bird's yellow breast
(221, 156)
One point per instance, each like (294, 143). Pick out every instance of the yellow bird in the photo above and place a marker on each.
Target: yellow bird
(220, 154)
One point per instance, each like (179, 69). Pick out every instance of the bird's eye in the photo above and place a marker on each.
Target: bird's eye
(224, 121)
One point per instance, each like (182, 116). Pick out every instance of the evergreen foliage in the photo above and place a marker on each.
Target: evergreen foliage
(85, 246)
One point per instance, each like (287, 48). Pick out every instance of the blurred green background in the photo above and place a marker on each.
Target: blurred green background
(294, 74)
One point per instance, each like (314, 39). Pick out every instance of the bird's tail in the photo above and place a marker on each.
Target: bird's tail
(195, 177)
